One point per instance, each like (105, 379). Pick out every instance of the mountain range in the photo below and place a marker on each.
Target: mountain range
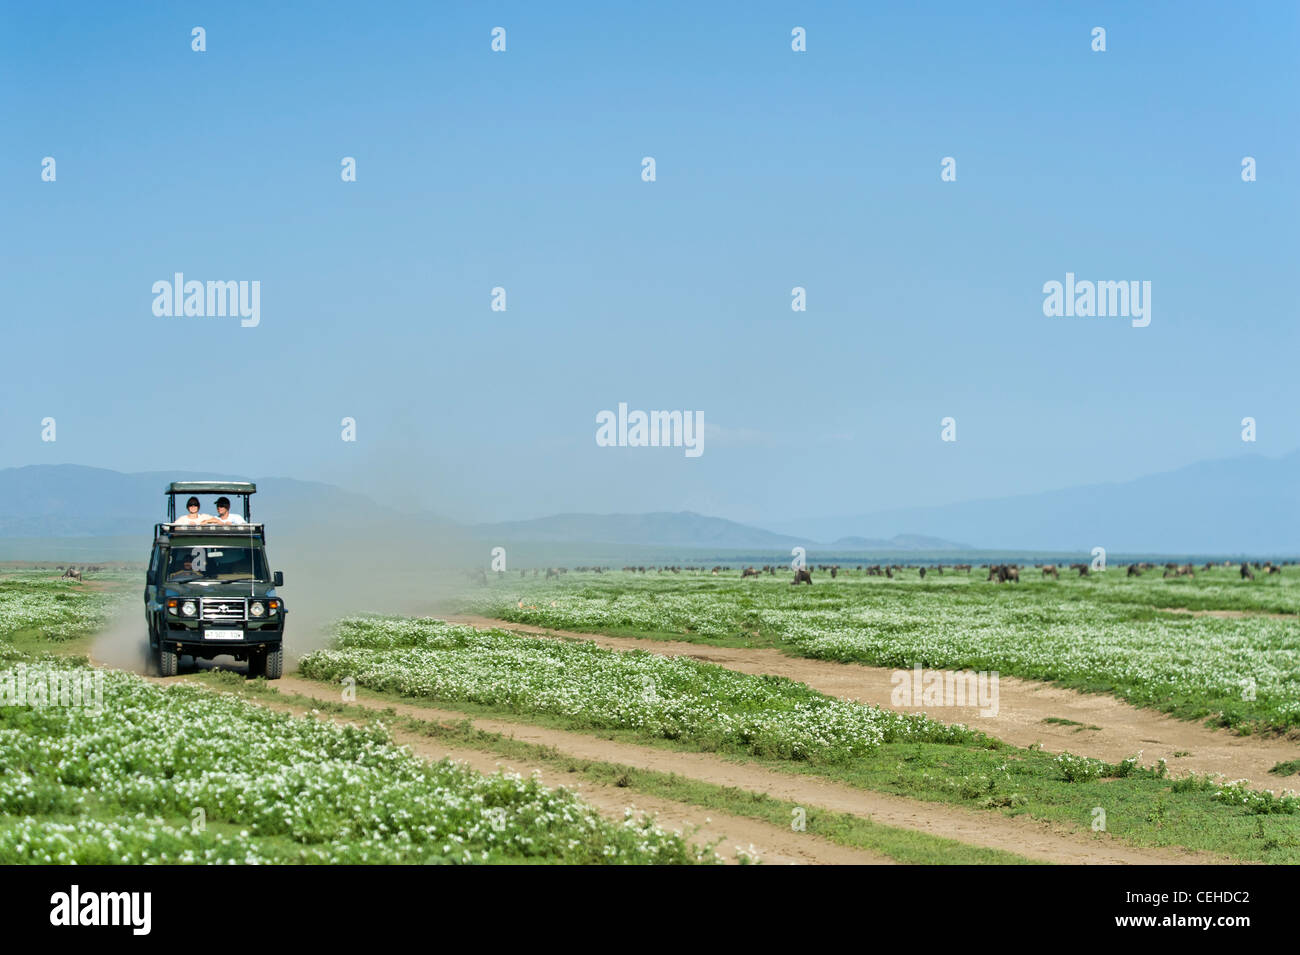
(684, 529)
(1242, 505)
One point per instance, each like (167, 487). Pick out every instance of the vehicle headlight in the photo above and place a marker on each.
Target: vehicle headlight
(256, 609)
(188, 608)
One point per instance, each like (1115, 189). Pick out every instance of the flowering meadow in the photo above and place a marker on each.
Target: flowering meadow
(655, 696)
(1104, 633)
(180, 774)
(54, 610)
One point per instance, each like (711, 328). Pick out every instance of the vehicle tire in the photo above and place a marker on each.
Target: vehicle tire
(168, 662)
(274, 663)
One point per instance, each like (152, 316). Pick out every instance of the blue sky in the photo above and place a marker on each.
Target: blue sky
(775, 169)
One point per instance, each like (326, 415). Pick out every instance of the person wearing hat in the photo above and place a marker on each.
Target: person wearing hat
(193, 517)
(223, 514)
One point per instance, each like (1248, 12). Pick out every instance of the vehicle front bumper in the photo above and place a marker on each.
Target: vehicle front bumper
(196, 639)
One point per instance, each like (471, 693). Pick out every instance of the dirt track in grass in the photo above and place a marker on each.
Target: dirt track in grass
(1023, 706)
(769, 844)
(1030, 838)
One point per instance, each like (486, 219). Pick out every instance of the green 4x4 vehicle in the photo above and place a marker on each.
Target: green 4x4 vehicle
(210, 590)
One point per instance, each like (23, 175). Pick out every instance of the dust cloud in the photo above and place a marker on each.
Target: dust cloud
(415, 567)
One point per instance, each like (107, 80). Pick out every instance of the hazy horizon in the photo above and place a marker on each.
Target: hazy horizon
(522, 170)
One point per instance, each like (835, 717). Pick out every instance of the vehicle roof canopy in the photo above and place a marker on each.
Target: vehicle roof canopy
(244, 489)
(211, 487)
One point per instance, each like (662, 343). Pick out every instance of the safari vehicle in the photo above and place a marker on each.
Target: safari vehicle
(210, 590)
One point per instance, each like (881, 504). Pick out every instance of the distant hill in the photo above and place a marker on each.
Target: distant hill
(917, 542)
(685, 529)
(1242, 505)
(681, 529)
(69, 500)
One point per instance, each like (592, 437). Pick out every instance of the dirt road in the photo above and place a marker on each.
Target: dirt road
(1023, 705)
(1027, 837)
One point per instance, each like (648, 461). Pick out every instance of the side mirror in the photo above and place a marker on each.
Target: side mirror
(278, 578)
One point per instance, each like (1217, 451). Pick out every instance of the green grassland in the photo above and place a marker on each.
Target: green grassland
(684, 704)
(1105, 633)
(182, 774)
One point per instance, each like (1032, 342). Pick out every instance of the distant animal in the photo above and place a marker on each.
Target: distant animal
(1051, 571)
(1246, 572)
(835, 571)
(1004, 572)
(802, 577)
(1134, 570)
(921, 571)
(1274, 569)
(750, 572)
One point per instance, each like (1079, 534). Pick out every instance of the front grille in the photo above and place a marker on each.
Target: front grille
(223, 608)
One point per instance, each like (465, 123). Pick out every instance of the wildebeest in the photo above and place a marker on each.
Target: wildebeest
(750, 572)
(921, 571)
(1246, 572)
(1004, 572)
(802, 577)
(1050, 571)
(1134, 570)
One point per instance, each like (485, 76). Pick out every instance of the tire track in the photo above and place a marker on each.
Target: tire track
(1027, 837)
(1023, 705)
(771, 844)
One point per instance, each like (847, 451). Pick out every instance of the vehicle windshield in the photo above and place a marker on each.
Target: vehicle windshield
(222, 563)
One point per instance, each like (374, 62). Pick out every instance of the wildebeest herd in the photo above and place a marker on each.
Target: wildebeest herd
(999, 573)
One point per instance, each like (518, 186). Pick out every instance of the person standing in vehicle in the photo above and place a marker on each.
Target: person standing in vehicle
(194, 517)
(223, 514)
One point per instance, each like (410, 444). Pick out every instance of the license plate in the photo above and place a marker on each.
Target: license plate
(223, 634)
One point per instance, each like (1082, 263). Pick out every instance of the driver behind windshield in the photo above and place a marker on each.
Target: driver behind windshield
(219, 564)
